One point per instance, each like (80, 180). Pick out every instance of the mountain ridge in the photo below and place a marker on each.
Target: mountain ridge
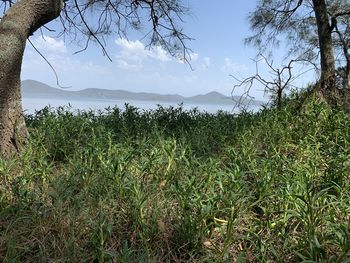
(36, 89)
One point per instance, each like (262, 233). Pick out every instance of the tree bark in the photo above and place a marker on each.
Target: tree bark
(19, 22)
(327, 88)
(346, 76)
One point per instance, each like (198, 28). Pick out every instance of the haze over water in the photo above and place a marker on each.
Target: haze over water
(30, 105)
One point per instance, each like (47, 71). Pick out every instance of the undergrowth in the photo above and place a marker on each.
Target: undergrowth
(170, 185)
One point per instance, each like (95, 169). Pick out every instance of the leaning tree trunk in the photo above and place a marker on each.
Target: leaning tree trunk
(327, 87)
(19, 22)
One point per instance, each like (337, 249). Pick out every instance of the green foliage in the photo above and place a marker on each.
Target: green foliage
(170, 185)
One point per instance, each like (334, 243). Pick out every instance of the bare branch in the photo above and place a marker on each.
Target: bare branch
(50, 65)
(97, 19)
(280, 80)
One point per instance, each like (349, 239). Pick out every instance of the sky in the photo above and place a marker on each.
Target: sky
(218, 48)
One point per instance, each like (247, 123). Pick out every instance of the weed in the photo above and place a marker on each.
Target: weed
(170, 185)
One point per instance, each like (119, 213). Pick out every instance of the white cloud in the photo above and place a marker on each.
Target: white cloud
(49, 45)
(122, 64)
(158, 53)
(58, 55)
(206, 63)
(230, 66)
(194, 56)
(131, 50)
(134, 53)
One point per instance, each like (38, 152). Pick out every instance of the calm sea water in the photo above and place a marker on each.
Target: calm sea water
(30, 105)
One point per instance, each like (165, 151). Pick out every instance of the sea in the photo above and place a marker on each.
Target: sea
(31, 105)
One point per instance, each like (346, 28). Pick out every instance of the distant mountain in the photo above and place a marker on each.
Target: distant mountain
(214, 95)
(36, 89)
(123, 94)
(32, 88)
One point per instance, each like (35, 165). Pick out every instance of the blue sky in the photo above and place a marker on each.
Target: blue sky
(218, 29)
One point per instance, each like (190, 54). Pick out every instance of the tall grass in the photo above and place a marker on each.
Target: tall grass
(170, 185)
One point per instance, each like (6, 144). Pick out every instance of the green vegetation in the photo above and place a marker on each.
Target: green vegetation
(171, 185)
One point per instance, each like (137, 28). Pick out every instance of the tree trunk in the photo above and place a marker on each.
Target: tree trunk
(327, 88)
(346, 76)
(346, 86)
(19, 22)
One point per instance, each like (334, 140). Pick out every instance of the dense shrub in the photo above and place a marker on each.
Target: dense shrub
(170, 185)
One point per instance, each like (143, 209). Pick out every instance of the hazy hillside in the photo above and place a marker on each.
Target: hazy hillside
(36, 89)
(32, 88)
(214, 95)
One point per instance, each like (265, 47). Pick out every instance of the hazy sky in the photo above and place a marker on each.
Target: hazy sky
(218, 29)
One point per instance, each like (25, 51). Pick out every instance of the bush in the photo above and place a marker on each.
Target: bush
(170, 185)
